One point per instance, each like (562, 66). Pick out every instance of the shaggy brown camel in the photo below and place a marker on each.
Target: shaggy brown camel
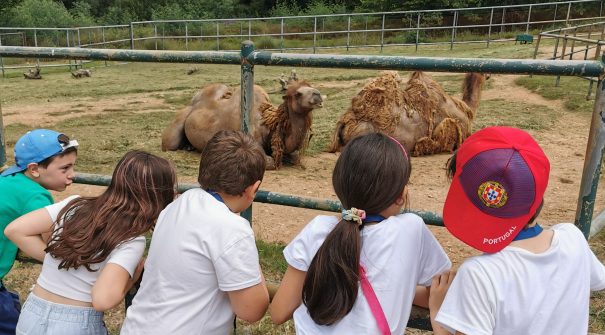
(422, 116)
(282, 131)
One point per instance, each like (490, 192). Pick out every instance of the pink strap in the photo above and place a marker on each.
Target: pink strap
(375, 307)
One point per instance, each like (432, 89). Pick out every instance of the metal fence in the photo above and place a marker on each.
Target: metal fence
(312, 33)
(577, 42)
(248, 58)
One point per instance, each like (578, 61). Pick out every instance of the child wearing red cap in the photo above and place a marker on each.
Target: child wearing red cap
(530, 280)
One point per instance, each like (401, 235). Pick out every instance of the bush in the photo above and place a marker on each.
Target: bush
(266, 42)
(40, 13)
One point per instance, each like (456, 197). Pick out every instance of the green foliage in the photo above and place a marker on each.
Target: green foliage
(285, 8)
(318, 7)
(82, 14)
(172, 11)
(39, 13)
(266, 42)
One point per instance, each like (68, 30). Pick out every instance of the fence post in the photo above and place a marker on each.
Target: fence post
(502, 21)
(314, 32)
(489, 31)
(567, 17)
(382, 33)
(528, 20)
(592, 163)
(417, 31)
(247, 96)
(131, 36)
(218, 43)
(554, 24)
(249, 30)
(281, 35)
(186, 37)
(348, 31)
(67, 41)
(573, 43)
(36, 45)
(454, 23)
(2, 67)
(562, 57)
(155, 34)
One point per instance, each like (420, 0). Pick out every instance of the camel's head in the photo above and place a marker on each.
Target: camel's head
(304, 96)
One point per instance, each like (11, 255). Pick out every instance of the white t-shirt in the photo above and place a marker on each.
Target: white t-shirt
(397, 253)
(77, 284)
(199, 251)
(517, 292)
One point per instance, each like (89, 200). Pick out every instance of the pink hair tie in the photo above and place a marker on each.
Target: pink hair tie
(405, 153)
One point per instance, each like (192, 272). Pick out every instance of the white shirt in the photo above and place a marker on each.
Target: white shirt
(199, 251)
(398, 254)
(517, 292)
(77, 283)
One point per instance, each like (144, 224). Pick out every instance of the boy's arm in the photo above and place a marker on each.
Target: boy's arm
(288, 296)
(250, 304)
(26, 232)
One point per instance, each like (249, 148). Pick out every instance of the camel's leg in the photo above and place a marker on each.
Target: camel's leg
(425, 146)
(448, 135)
(174, 134)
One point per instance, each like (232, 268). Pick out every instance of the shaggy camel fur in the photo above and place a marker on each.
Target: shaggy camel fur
(280, 130)
(422, 116)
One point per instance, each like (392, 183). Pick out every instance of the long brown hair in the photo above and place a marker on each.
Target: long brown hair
(141, 186)
(370, 174)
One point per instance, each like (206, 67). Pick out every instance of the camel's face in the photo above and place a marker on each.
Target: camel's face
(309, 98)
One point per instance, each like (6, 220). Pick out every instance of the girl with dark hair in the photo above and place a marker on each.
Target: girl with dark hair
(91, 247)
(359, 274)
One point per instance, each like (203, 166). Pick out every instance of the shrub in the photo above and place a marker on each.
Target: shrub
(39, 13)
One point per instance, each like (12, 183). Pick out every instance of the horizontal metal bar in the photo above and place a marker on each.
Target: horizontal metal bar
(264, 197)
(435, 64)
(209, 57)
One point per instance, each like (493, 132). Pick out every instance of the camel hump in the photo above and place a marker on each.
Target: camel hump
(377, 101)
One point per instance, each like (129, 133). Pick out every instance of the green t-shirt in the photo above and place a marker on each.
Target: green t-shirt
(18, 195)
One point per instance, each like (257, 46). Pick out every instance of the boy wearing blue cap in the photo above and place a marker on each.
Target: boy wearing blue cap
(44, 160)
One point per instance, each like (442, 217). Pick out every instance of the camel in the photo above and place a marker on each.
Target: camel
(422, 116)
(282, 131)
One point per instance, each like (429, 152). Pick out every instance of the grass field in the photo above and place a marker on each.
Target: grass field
(124, 120)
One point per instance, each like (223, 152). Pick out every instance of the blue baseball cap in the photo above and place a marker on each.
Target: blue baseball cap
(36, 146)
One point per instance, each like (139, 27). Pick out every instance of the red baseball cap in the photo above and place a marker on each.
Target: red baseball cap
(501, 175)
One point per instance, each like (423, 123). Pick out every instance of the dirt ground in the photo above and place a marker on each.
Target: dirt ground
(565, 145)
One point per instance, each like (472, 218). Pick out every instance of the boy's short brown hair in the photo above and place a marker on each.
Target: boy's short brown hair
(230, 162)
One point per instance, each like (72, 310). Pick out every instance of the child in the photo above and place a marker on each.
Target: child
(358, 274)
(530, 280)
(203, 266)
(44, 161)
(91, 258)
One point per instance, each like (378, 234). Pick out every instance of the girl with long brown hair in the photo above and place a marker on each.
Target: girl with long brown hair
(359, 274)
(91, 247)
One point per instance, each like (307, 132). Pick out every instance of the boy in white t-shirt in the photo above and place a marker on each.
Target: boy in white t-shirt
(203, 267)
(530, 280)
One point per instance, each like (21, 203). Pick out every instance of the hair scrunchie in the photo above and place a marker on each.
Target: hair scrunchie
(354, 214)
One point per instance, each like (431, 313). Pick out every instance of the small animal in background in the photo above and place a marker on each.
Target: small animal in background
(81, 73)
(33, 73)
